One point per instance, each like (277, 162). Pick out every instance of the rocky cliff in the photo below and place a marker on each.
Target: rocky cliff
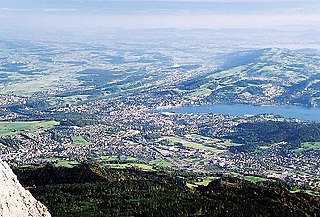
(15, 201)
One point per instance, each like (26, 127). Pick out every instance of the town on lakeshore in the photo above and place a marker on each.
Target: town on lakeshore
(75, 103)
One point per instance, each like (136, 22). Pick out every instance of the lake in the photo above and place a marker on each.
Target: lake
(299, 112)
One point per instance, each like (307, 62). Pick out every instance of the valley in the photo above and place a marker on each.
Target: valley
(71, 103)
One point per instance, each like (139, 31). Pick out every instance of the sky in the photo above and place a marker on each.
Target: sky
(185, 14)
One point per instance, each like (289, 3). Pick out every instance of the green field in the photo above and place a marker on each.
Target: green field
(254, 179)
(249, 178)
(308, 146)
(220, 144)
(140, 166)
(161, 163)
(132, 159)
(192, 145)
(59, 162)
(32, 84)
(201, 181)
(204, 91)
(79, 141)
(310, 192)
(205, 180)
(66, 163)
(11, 128)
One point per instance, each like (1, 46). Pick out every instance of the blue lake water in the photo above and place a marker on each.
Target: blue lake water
(299, 112)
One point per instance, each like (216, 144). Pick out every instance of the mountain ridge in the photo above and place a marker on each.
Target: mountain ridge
(15, 200)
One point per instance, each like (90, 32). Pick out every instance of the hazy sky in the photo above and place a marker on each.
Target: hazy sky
(64, 14)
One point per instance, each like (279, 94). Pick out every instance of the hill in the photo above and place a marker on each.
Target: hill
(263, 76)
(89, 190)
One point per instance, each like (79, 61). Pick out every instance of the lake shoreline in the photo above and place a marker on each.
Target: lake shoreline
(286, 111)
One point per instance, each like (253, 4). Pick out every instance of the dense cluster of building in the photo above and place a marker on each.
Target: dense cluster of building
(130, 130)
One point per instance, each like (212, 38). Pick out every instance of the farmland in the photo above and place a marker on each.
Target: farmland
(11, 128)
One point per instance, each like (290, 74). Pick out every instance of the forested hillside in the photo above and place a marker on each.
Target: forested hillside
(89, 190)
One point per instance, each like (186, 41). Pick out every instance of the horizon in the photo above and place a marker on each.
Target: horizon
(187, 14)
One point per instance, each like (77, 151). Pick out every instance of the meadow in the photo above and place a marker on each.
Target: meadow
(12, 128)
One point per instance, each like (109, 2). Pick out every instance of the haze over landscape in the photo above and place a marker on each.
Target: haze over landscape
(35, 15)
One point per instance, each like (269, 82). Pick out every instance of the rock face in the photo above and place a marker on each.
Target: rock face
(15, 201)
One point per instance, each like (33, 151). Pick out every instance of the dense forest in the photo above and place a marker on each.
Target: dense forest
(270, 132)
(90, 190)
